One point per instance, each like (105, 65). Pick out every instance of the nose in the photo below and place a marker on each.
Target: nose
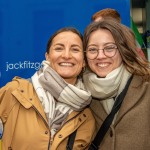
(100, 54)
(66, 54)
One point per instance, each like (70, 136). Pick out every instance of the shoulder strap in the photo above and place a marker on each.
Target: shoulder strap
(71, 141)
(107, 122)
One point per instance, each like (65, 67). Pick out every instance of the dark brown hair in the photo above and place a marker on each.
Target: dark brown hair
(125, 41)
(65, 29)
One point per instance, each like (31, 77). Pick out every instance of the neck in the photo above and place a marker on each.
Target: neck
(71, 81)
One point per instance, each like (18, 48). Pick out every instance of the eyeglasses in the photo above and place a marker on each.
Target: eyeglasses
(109, 51)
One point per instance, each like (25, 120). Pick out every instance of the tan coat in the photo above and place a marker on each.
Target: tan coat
(131, 130)
(26, 126)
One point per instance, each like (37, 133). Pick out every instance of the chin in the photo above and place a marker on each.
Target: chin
(65, 76)
(101, 75)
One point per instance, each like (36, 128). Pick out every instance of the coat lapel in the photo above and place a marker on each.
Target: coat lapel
(98, 110)
(38, 106)
(27, 96)
(134, 94)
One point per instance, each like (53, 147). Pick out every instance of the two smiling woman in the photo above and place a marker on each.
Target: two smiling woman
(45, 111)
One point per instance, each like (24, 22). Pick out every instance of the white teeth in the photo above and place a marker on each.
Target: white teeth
(102, 65)
(66, 64)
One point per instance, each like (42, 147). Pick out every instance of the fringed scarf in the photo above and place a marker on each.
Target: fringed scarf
(58, 98)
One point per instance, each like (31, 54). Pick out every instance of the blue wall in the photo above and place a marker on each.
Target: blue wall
(25, 27)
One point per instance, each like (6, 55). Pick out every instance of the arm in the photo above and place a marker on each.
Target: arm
(6, 101)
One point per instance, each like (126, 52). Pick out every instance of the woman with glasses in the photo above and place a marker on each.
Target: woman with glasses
(119, 81)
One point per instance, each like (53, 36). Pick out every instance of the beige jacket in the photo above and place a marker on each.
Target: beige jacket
(26, 126)
(131, 130)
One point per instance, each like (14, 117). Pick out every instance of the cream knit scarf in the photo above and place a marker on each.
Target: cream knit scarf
(58, 97)
(106, 89)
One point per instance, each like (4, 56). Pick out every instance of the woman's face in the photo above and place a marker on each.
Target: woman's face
(103, 65)
(66, 55)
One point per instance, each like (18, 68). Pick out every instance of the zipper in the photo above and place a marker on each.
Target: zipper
(67, 121)
(45, 124)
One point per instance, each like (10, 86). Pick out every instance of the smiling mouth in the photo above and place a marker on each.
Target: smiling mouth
(66, 64)
(102, 65)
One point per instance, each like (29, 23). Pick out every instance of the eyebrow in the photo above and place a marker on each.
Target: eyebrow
(60, 44)
(103, 44)
(73, 45)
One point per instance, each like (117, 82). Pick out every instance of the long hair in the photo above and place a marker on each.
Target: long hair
(125, 41)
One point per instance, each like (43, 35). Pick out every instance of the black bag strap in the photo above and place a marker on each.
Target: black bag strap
(71, 140)
(107, 122)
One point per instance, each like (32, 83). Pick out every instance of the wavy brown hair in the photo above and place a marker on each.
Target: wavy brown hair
(125, 41)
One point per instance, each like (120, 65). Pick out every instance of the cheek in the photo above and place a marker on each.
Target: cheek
(53, 56)
(92, 66)
(79, 59)
(117, 61)
(90, 63)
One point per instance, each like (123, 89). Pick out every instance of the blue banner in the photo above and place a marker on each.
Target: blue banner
(25, 27)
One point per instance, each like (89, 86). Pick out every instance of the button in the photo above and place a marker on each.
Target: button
(80, 119)
(30, 99)
(84, 115)
(46, 132)
(22, 91)
(111, 133)
(9, 148)
(60, 136)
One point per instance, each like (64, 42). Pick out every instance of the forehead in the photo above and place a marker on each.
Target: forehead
(67, 36)
(101, 35)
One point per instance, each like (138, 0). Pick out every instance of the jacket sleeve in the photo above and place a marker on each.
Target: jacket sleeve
(6, 101)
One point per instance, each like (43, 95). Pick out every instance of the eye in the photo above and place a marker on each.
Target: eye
(58, 49)
(110, 48)
(92, 50)
(75, 50)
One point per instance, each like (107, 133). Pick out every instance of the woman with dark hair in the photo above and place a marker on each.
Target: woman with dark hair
(49, 111)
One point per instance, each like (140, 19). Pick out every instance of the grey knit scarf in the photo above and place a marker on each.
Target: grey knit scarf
(57, 96)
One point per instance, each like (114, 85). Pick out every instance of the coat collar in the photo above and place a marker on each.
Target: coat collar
(134, 94)
(27, 97)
